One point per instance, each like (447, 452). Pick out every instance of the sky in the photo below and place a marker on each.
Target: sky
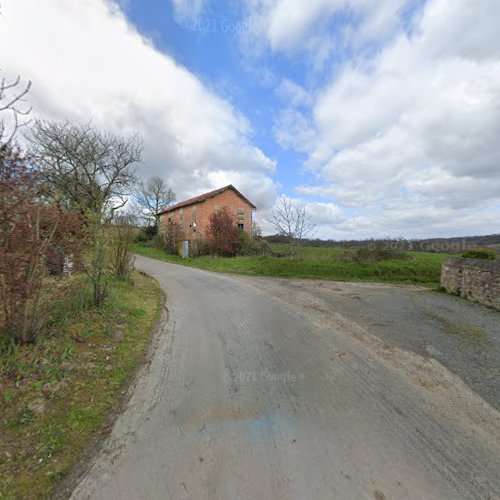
(382, 117)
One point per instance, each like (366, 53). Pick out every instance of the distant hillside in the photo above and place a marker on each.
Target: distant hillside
(446, 245)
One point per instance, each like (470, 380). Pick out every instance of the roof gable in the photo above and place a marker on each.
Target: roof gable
(204, 197)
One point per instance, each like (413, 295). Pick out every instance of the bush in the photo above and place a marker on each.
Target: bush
(146, 233)
(374, 253)
(33, 235)
(170, 236)
(122, 259)
(97, 267)
(253, 245)
(480, 253)
(198, 247)
(223, 235)
(64, 252)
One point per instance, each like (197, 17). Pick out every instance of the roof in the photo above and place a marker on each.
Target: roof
(206, 196)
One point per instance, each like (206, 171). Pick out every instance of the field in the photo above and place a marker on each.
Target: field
(56, 394)
(423, 268)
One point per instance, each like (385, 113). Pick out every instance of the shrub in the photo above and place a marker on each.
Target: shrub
(31, 233)
(480, 253)
(253, 245)
(122, 259)
(171, 235)
(64, 252)
(147, 233)
(97, 267)
(198, 247)
(223, 235)
(375, 253)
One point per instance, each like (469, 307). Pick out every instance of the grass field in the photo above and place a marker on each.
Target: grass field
(422, 268)
(56, 394)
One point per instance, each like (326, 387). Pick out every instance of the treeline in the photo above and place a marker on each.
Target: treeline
(441, 245)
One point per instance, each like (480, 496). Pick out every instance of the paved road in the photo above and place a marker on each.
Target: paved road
(253, 393)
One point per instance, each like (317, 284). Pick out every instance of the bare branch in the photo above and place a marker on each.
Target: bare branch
(291, 220)
(11, 95)
(85, 168)
(153, 197)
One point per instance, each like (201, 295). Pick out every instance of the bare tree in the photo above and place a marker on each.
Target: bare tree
(290, 219)
(256, 230)
(12, 106)
(153, 197)
(85, 168)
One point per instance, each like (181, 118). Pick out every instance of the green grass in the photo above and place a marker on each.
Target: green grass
(87, 355)
(422, 268)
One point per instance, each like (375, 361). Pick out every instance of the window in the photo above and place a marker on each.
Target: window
(241, 227)
(193, 218)
(240, 215)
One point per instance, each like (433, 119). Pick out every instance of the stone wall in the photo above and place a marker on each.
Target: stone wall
(474, 279)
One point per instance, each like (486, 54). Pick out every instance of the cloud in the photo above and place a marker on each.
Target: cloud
(293, 94)
(292, 26)
(325, 216)
(409, 139)
(292, 130)
(87, 61)
(188, 9)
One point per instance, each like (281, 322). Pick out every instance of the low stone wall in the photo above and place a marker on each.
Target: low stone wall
(474, 279)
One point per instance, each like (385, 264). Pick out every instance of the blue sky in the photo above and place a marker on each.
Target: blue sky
(382, 117)
(208, 44)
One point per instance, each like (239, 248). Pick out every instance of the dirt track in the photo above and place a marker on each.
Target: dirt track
(262, 388)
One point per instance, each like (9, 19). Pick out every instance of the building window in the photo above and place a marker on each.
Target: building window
(241, 227)
(240, 216)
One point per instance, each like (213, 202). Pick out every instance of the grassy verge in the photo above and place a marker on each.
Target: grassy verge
(55, 395)
(422, 268)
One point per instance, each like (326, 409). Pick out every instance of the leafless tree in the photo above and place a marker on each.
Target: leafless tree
(85, 168)
(12, 107)
(152, 197)
(290, 219)
(256, 230)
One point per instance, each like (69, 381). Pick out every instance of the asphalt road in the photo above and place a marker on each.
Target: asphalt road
(257, 389)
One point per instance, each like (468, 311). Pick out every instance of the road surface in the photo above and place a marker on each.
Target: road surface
(254, 393)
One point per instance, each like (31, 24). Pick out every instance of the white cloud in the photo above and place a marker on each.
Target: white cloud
(292, 26)
(293, 94)
(292, 130)
(410, 139)
(87, 62)
(188, 9)
(325, 216)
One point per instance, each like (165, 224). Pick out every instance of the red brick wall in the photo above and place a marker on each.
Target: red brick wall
(200, 213)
